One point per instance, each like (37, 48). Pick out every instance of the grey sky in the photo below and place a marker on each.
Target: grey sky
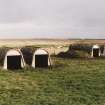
(52, 18)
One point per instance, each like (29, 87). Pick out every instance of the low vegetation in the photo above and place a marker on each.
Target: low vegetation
(69, 82)
(3, 51)
(27, 52)
(79, 51)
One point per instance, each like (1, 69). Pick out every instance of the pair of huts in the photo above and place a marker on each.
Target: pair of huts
(14, 59)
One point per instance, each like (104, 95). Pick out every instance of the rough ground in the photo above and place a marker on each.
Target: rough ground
(69, 82)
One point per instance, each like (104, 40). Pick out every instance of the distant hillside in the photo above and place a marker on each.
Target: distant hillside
(49, 42)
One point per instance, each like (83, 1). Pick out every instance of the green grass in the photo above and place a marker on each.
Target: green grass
(69, 82)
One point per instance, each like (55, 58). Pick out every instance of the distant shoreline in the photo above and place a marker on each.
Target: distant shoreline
(48, 39)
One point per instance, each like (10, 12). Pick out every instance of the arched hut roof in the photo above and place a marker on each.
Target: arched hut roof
(13, 52)
(41, 52)
(96, 47)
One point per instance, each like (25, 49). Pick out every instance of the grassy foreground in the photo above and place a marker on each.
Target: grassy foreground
(70, 82)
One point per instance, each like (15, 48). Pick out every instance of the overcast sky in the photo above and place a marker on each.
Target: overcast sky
(52, 18)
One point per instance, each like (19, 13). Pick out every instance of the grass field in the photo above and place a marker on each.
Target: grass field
(69, 82)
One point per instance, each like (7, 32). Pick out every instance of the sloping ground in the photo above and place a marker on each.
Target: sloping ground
(47, 42)
(70, 82)
(53, 46)
(34, 42)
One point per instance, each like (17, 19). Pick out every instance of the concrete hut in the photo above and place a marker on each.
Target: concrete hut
(14, 59)
(103, 54)
(96, 52)
(41, 58)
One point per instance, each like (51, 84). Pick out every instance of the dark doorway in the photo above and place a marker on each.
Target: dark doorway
(41, 60)
(95, 52)
(14, 62)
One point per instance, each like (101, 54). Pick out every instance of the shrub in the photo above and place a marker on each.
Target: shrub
(74, 54)
(77, 51)
(27, 52)
(81, 47)
(68, 54)
(3, 51)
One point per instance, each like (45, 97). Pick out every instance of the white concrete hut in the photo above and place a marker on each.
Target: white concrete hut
(14, 60)
(41, 58)
(96, 52)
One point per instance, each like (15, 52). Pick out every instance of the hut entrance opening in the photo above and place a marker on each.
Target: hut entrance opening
(41, 60)
(14, 62)
(95, 52)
